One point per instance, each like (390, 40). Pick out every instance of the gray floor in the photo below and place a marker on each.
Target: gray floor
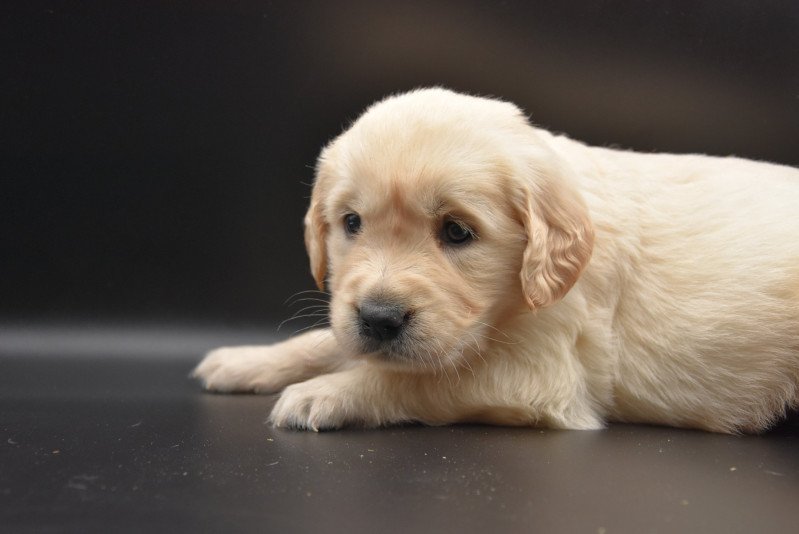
(121, 440)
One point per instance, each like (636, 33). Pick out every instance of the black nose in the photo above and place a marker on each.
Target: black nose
(381, 321)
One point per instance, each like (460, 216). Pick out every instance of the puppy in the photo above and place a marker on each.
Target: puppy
(484, 270)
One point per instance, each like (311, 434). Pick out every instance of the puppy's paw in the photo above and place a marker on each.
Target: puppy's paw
(242, 369)
(322, 403)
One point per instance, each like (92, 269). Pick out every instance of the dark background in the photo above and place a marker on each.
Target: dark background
(154, 162)
(155, 156)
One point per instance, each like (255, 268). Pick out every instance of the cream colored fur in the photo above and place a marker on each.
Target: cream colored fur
(603, 285)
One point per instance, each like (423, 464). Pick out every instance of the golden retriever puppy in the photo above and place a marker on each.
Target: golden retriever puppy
(485, 270)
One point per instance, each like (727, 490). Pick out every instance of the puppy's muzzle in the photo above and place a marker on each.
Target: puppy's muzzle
(381, 321)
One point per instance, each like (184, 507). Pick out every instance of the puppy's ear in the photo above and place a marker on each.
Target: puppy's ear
(560, 237)
(315, 236)
(316, 224)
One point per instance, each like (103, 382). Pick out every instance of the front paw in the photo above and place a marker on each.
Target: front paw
(322, 403)
(240, 369)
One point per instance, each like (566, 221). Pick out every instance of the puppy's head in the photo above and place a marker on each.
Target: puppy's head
(435, 218)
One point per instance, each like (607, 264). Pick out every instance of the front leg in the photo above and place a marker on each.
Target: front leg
(372, 395)
(270, 368)
(367, 396)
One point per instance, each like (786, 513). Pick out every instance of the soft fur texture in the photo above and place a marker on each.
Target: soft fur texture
(601, 285)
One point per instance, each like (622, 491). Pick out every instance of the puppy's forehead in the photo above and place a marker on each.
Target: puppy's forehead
(417, 179)
(407, 152)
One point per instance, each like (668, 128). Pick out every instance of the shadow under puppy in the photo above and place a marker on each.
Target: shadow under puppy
(485, 270)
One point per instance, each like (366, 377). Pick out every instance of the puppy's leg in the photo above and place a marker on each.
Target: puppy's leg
(367, 396)
(371, 395)
(270, 368)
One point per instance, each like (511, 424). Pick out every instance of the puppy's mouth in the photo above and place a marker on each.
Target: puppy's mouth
(392, 334)
(425, 337)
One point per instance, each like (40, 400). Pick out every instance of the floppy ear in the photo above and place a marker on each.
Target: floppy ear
(560, 238)
(316, 225)
(315, 236)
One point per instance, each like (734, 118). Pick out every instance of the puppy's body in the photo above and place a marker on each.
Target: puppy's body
(591, 284)
(695, 272)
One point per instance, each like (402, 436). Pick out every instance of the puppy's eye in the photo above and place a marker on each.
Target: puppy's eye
(456, 233)
(352, 223)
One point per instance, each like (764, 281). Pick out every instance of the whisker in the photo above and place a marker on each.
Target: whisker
(310, 299)
(316, 307)
(476, 342)
(465, 363)
(499, 340)
(424, 357)
(305, 292)
(446, 374)
(457, 373)
(449, 361)
(435, 365)
(439, 370)
(495, 340)
(477, 350)
(303, 316)
(431, 360)
(298, 315)
(492, 327)
(313, 307)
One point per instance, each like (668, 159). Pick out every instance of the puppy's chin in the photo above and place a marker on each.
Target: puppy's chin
(415, 358)
(402, 353)
(397, 356)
